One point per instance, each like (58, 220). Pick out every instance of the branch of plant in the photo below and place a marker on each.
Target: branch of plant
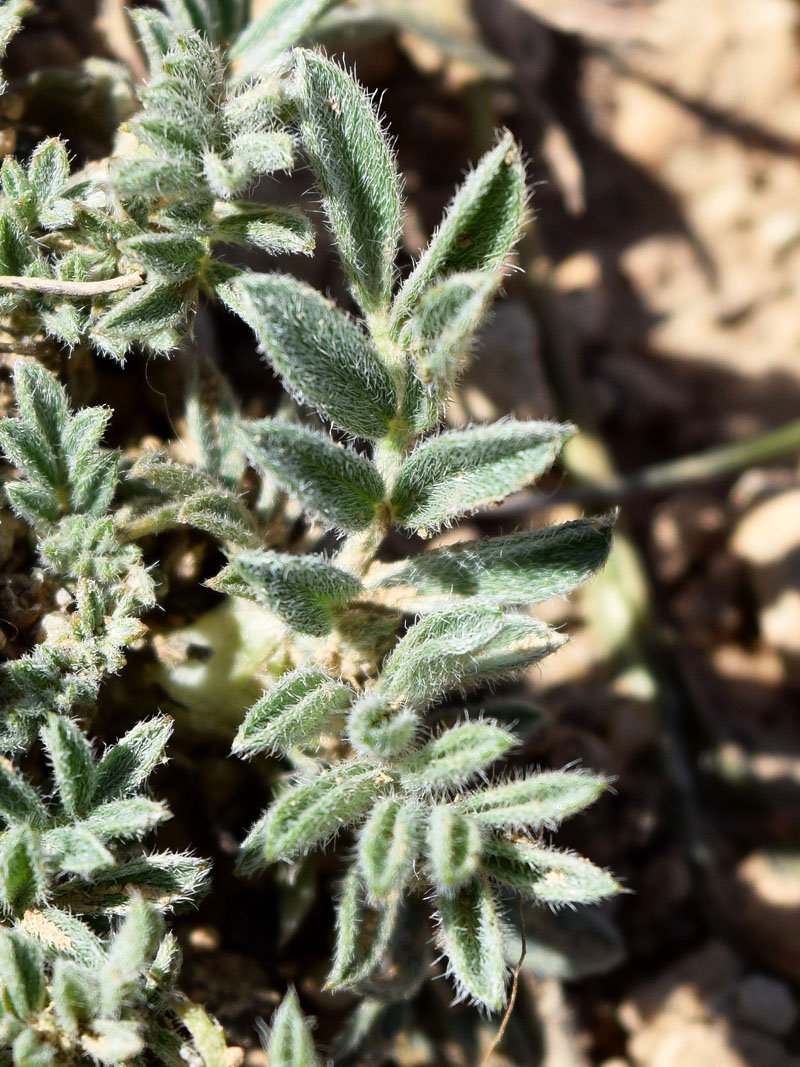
(59, 287)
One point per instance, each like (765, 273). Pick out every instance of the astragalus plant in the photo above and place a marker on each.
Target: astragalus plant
(349, 649)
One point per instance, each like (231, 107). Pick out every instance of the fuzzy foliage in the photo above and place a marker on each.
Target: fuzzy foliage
(358, 651)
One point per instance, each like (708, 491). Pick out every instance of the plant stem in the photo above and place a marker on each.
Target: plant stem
(58, 287)
(703, 466)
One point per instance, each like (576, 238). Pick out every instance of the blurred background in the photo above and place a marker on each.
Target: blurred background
(657, 308)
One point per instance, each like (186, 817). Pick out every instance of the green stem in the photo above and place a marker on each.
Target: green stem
(703, 466)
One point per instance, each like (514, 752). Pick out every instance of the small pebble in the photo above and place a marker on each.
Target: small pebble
(766, 1003)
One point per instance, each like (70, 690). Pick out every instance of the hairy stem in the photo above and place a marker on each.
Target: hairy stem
(57, 287)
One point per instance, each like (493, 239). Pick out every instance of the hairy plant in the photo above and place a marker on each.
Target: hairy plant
(351, 653)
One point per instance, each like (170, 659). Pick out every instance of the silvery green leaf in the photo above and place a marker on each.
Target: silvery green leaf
(75, 994)
(219, 513)
(453, 848)
(145, 314)
(263, 152)
(152, 177)
(521, 568)
(179, 143)
(541, 801)
(76, 850)
(132, 950)
(354, 165)
(547, 874)
(259, 104)
(333, 483)
(31, 1049)
(72, 761)
(63, 931)
(363, 933)
(309, 814)
(168, 476)
(304, 590)
(113, 1041)
(166, 879)
(212, 417)
(156, 33)
(388, 845)
(131, 760)
(22, 873)
(436, 652)
(443, 326)
(323, 355)
(91, 472)
(172, 257)
(455, 756)
(48, 170)
(284, 24)
(274, 229)
(19, 801)
(11, 15)
(472, 938)
(207, 1034)
(22, 973)
(15, 251)
(16, 186)
(378, 729)
(32, 441)
(463, 470)
(481, 226)
(65, 322)
(290, 1043)
(218, 20)
(294, 711)
(460, 647)
(129, 818)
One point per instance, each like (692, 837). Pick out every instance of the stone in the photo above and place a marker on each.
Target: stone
(766, 1004)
